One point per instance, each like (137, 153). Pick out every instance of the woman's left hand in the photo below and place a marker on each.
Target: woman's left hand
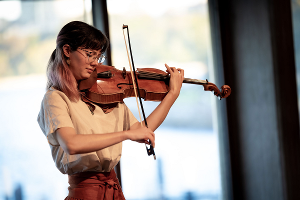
(176, 79)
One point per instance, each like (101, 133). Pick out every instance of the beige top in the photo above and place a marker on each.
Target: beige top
(58, 111)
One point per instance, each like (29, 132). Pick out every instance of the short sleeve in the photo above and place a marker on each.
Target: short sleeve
(54, 114)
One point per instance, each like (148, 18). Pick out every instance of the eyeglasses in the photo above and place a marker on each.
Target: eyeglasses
(89, 57)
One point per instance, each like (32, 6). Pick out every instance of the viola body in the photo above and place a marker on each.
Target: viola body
(108, 85)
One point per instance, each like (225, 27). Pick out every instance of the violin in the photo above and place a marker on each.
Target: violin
(108, 85)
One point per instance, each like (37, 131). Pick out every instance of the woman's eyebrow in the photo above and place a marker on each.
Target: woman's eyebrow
(94, 53)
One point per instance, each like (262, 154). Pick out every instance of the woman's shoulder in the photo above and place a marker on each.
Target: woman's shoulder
(55, 95)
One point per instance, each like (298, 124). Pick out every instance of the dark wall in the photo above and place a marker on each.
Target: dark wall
(253, 49)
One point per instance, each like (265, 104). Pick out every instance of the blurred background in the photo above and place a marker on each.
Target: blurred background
(162, 31)
(187, 165)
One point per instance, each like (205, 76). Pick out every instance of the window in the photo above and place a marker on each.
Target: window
(296, 30)
(28, 31)
(187, 150)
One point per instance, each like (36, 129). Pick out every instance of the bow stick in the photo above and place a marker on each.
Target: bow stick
(150, 150)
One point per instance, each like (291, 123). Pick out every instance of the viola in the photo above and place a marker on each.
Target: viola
(108, 85)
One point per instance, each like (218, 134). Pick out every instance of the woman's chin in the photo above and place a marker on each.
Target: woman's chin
(83, 77)
(86, 76)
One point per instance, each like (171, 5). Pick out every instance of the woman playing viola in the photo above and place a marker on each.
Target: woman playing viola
(87, 145)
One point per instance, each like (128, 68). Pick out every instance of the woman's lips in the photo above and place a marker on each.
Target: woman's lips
(90, 71)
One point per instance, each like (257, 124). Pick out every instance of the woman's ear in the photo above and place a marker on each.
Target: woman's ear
(67, 50)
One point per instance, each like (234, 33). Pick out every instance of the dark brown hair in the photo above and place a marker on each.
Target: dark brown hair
(75, 34)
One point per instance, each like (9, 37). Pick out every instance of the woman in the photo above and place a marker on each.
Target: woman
(87, 145)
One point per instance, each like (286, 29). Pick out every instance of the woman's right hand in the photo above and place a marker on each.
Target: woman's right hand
(141, 135)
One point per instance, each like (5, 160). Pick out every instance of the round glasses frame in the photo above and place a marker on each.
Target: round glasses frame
(90, 59)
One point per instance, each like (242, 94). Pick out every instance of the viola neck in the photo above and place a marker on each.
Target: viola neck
(195, 81)
(163, 77)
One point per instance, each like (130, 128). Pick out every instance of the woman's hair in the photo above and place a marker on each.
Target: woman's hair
(75, 34)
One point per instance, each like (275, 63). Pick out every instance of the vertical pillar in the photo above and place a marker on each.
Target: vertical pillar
(100, 21)
(257, 55)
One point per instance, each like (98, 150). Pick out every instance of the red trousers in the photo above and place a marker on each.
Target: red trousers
(94, 186)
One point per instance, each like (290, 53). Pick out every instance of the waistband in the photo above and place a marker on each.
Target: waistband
(94, 186)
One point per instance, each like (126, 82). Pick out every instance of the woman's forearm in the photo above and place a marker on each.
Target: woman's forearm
(156, 118)
(73, 143)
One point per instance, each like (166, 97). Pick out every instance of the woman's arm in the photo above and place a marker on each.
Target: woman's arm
(73, 143)
(155, 119)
